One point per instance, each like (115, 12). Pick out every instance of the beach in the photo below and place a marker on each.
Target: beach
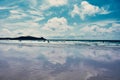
(58, 62)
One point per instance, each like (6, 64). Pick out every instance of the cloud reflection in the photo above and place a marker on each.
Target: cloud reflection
(55, 63)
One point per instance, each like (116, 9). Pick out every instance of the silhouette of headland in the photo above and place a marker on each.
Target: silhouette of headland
(25, 38)
(21, 38)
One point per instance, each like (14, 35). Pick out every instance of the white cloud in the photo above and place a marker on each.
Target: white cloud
(57, 2)
(115, 27)
(57, 24)
(95, 28)
(87, 9)
(3, 8)
(4, 32)
(35, 12)
(52, 3)
(53, 27)
(36, 15)
(24, 28)
(101, 30)
(17, 14)
(29, 11)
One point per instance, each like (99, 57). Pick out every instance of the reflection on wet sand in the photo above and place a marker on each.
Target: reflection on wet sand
(59, 63)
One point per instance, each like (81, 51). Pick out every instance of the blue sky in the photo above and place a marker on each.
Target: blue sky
(73, 19)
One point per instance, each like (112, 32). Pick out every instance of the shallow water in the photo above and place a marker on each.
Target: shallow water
(59, 62)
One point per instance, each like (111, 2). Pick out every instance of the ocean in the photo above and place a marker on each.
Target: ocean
(59, 60)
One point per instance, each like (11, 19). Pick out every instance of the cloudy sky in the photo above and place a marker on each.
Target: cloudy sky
(73, 19)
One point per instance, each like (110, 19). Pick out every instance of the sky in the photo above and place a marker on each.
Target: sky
(55, 19)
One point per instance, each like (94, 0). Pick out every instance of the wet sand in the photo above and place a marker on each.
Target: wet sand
(59, 62)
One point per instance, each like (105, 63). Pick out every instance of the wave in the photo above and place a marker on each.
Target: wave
(61, 43)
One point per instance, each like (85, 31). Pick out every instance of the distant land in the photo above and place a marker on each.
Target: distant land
(24, 38)
(21, 38)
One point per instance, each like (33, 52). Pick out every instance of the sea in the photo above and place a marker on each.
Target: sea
(60, 60)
